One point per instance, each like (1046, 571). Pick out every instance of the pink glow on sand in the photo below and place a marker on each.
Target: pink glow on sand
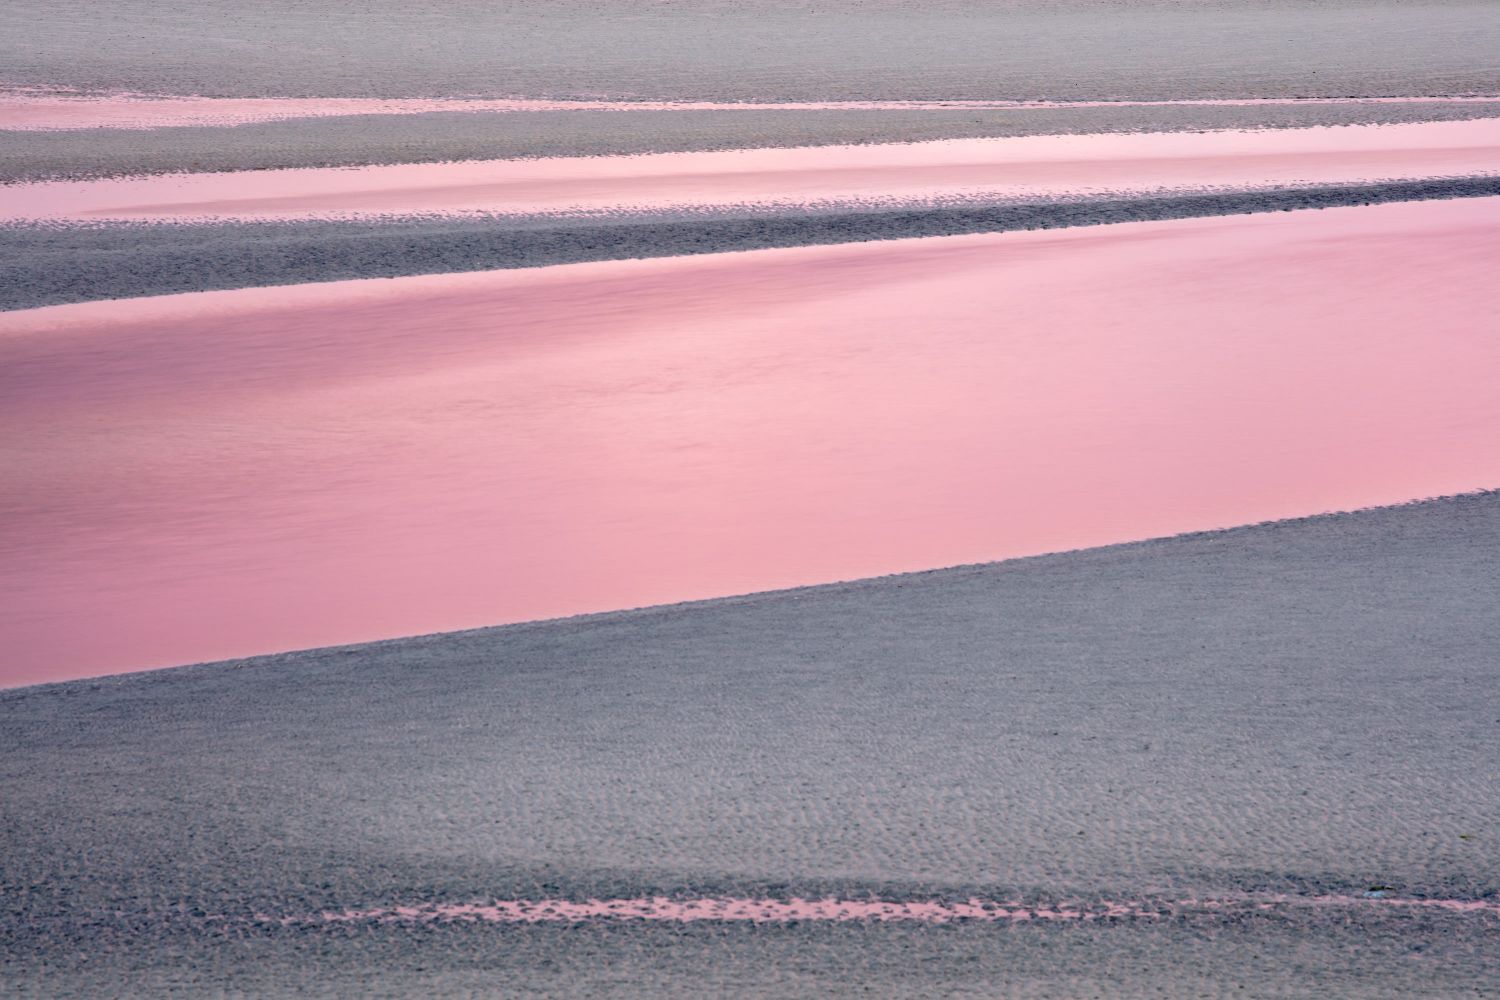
(52, 111)
(731, 909)
(1012, 167)
(219, 474)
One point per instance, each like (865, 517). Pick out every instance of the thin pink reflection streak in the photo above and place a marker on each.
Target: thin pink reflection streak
(663, 909)
(1026, 166)
(41, 109)
(220, 474)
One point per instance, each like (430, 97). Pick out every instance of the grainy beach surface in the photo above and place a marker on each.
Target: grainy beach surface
(1300, 709)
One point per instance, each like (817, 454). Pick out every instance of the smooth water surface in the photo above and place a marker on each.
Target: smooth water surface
(219, 474)
(1025, 166)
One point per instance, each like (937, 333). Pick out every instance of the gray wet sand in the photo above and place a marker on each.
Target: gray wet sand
(43, 265)
(421, 138)
(1306, 707)
(769, 50)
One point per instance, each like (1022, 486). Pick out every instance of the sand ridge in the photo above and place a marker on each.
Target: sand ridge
(48, 264)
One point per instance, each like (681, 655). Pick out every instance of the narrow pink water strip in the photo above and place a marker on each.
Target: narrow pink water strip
(662, 909)
(219, 474)
(958, 168)
(53, 111)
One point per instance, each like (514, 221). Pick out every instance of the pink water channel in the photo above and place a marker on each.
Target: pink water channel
(1027, 166)
(58, 109)
(218, 474)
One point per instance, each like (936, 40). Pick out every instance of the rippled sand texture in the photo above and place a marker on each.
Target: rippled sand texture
(228, 473)
(1237, 735)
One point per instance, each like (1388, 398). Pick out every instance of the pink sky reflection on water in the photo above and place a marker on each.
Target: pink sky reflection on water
(44, 110)
(1010, 167)
(219, 474)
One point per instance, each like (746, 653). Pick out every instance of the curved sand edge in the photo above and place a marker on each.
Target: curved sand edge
(1302, 710)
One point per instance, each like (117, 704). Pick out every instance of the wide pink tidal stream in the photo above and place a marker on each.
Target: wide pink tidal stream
(218, 474)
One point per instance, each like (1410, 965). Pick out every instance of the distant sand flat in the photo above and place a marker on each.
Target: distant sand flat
(1020, 166)
(203, 476)
(772, 50)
